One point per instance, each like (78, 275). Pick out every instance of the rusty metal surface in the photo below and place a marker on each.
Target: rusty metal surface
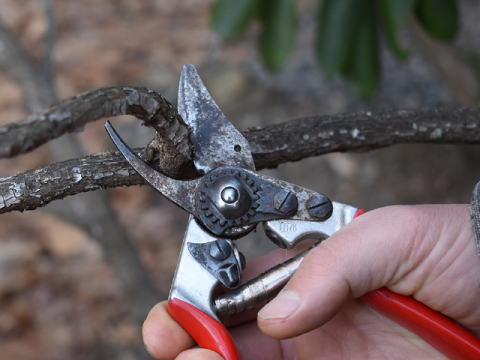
(216, 141)
(303, 195)
(180, 192)
(266, 200)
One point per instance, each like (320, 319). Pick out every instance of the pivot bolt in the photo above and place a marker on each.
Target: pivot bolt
(229, 195)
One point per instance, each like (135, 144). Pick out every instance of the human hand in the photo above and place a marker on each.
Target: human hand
(428, 252)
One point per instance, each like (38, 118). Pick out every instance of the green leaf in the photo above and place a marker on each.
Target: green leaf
(230, 17)
(438, 17)
(393, 14)
(363, 67)
(277, 39)
(337, 29)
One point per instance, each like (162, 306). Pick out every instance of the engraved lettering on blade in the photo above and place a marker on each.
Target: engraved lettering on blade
(288, 226)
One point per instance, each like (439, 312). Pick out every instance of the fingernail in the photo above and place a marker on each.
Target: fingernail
(282, 306)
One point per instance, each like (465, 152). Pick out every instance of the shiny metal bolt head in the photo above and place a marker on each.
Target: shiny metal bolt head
(320, 207)
(220, 249)
(229, 195)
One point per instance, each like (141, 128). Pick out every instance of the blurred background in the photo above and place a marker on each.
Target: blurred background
(59, 296)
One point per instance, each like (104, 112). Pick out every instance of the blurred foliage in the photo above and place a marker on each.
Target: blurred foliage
(347, 31)
(278, 35)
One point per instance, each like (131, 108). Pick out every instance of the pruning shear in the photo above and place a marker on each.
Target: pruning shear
(227, 202)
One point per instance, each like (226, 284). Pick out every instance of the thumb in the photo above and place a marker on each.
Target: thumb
(384, 247)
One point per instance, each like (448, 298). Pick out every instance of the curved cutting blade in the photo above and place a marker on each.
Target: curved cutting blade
(180, 192)
(216, 141)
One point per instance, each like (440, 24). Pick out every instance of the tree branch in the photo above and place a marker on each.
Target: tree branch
(361, 131)
(275, 144)
(272, 145)
(35, 188)
(76, 112)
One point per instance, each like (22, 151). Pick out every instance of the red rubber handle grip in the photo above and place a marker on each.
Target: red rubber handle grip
(206, 331)
(441, 332)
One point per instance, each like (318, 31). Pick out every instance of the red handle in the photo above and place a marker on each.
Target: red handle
(207, 332)
(441, 332)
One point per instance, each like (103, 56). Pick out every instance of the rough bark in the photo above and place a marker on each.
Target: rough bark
(361, 131)
(272, 145)
(172, 152)
(35, 188)
(74, 113)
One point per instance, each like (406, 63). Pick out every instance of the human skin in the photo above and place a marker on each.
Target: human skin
(427, 251)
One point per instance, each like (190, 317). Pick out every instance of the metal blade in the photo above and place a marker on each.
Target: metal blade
(216, 141)
(180, 192)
